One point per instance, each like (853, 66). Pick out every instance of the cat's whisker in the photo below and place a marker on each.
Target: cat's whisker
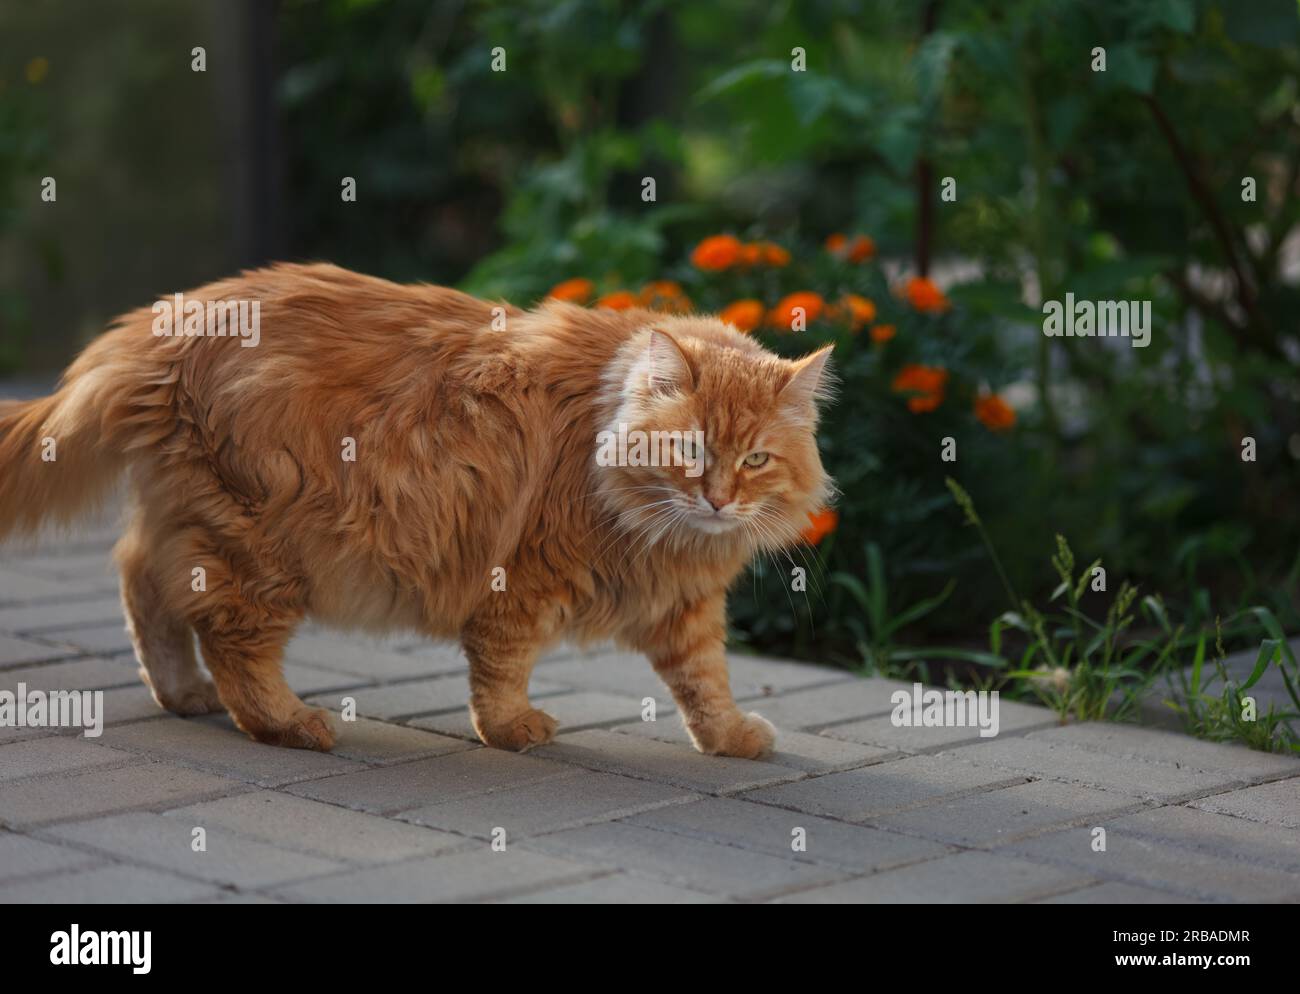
(629, 510)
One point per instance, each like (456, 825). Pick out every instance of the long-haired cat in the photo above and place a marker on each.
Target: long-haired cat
(411, 457)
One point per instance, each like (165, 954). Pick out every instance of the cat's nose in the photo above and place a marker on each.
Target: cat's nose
(717, 503)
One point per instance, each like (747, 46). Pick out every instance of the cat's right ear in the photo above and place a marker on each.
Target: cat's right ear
(667, 370)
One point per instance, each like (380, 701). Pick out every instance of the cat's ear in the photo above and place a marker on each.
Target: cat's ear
(811, 383)
(667, 370)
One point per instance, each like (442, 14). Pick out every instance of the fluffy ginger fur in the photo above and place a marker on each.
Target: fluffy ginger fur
(475, 449)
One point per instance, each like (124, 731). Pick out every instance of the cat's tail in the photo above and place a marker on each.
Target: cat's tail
(59, 455)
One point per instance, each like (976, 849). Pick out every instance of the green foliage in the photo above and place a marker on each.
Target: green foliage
(1214, 707)
(1116, 185)
(1090, 669)
(23, 142)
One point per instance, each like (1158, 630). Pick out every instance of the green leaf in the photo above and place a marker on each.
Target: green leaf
(1197, 662)
(742, 77)
(920, 609)
(1269, 649)
(1127, 67)
(1268, 23)
(1270, 623)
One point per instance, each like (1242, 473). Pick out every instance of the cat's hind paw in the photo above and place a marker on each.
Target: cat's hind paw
(309, 728)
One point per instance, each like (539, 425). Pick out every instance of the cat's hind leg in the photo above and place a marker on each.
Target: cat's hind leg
(243, 621)
(163, 639)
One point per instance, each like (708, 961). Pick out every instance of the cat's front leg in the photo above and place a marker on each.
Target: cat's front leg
(501, 649)
(688, 652)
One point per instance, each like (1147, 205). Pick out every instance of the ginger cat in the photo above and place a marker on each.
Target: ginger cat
(474, 446)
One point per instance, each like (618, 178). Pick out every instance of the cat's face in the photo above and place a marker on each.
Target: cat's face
(727, 436)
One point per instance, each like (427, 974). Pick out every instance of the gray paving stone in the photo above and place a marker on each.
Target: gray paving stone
(1150, 745)
(432, 655)
(167, 844)
(61, 754)
(75, 674)
(770, 676)
(1013, 717)
(813, 709)
(1276, 803)
(215, 745)
(429, 781)
(616, 888)
(369, 660)
(650, 759)
(1056, 761)
(68, 564)
(548, 805)
(631, 674)
(856, 795)
(416, 697)
(685, 861)
(379, 743)
(998, 816)
(1214, 834)
(105, 640)
(574, 711)
(106, 791)
(298, 823)
(123, 704)
(1131, 858)
(23, 856)
(18, 587)
(760, 828)
(623, 674)
(796, 750)
(8, 733)
(106, 885)
(63, 613)
(306, 681)
(471, 875)
(966, 878)
(15, 651)
(1114, 893)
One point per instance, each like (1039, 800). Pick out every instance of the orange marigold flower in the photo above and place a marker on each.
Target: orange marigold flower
(925, 383)
(860, 310)
(860, 249)
(994, 412)
(744, 315)
(619, 300)
(576, 291)
(924, 296)
(820, 524)
(717, 252)
(783, 315)
(665, 295)
(773, 254)
(881, 333)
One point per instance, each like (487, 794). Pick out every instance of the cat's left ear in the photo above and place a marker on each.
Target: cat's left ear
(812, 381)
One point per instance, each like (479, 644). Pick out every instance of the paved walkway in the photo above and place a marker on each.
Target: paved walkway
(408, 806)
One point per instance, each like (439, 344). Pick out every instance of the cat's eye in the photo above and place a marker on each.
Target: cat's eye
(755, 459)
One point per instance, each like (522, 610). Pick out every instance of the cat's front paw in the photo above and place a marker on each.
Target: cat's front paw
(523, 732)
(747, 736)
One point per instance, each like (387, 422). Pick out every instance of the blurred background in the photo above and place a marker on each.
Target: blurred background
(923, 174)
